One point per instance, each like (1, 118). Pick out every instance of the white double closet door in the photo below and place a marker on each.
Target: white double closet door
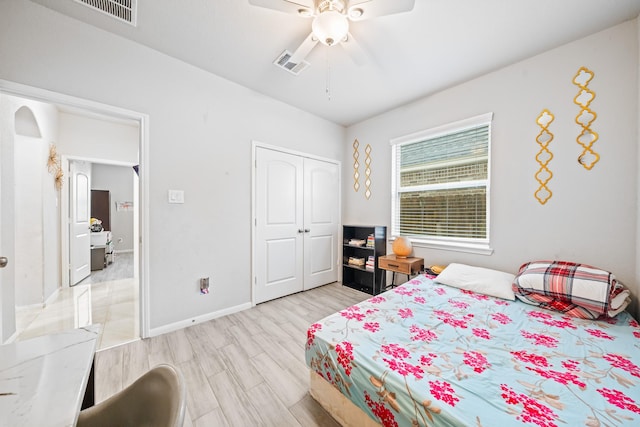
(296, 223)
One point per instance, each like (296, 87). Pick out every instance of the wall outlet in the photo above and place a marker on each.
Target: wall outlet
(204, 285)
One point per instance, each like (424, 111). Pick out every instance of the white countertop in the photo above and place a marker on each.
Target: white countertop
(43, 379)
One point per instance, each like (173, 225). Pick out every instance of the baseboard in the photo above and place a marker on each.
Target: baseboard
(52, 297)
(12, 338)
(30, 306)
(199, 319)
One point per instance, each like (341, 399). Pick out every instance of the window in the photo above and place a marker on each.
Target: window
(441, 185)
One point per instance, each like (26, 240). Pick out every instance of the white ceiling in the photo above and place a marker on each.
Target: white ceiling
(410, 55)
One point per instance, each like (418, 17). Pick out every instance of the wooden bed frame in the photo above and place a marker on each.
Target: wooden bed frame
(334, 402)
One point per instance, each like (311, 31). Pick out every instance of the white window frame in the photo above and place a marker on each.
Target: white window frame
(476, 246)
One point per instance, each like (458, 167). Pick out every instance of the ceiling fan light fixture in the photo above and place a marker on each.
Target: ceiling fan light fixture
(330, 27)
(356, 12)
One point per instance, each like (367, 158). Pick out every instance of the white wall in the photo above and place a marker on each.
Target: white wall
(24, 253)
(97, 138)
(592, 216)
(118, 180)
(201, 127)
(31, 159)
(36, 258)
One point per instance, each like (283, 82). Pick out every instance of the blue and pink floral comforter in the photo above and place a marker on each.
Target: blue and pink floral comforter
(426, 354)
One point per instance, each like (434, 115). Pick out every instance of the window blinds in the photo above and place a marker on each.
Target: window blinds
(441, 185)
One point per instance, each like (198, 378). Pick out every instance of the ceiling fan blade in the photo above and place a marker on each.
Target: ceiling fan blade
(354, 50)
(303, 50)
(366, 9)
(287, 6)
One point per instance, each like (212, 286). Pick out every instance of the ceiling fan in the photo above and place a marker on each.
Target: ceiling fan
(331, 18)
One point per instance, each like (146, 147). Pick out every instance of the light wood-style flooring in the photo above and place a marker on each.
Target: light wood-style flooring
(244, 369)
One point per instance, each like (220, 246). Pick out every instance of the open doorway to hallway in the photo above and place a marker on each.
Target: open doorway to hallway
(110, 296)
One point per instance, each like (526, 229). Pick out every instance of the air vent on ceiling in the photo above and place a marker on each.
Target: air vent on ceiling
(284, 61)
(124, 10)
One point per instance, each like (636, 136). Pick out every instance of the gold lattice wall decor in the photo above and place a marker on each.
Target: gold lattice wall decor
(587, 137)
(544, 156)
(367, 171)
(356, 166)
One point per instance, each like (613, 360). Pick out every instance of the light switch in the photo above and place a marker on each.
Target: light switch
(176, 196)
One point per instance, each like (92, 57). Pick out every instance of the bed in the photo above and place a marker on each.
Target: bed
(427, 354)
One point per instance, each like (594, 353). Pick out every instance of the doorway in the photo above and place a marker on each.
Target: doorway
(94, 111)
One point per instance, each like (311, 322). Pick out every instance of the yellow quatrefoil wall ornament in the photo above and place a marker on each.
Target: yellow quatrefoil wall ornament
(544, 156)
(356, 166)
(587, 137)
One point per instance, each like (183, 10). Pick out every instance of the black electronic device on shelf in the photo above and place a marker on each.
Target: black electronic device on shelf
(362, 245)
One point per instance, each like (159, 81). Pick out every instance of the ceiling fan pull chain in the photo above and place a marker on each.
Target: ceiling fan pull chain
(328, 89)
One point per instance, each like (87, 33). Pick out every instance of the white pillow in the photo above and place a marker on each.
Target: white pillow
(477, 279)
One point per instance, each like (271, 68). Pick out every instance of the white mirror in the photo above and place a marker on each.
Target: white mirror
(583, 77)
(544, 118)
(544, 137)
(584, 98)
(585, 118)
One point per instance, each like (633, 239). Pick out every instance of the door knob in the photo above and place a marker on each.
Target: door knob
(306, 230)
(3, 261)
(300, 230)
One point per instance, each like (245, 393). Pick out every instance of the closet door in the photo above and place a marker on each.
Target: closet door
(278, 243)
(321, 221)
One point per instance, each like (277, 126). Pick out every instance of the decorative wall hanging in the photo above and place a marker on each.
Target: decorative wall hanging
(367, 172)
(54, 167)
(544, 156)
(59, 178)
(124, 206)
(52, 161)
(356, 166)
(587, 137)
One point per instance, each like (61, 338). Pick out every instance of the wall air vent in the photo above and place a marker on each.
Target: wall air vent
(123, 10)
(284, 61)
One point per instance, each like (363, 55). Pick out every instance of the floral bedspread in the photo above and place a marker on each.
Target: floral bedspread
(425, 354)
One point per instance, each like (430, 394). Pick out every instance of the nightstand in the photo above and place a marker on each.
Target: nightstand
(409, 266)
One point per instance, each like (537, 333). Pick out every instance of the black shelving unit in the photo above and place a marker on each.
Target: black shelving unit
(372, 281)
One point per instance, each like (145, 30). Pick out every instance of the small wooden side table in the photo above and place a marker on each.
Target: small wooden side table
(409, 266)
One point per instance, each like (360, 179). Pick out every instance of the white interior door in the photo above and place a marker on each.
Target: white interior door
(7, 301)
(3, 260)
(279, 224)
(80, 215)
(321, 222)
